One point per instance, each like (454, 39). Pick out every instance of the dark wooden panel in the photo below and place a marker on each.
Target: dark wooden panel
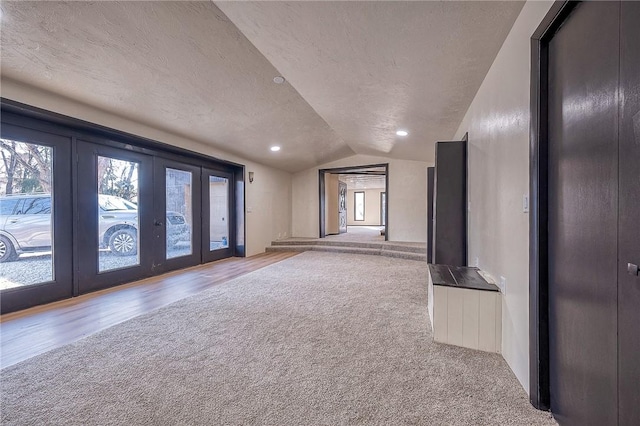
(467, 277)
(430, 177)
(460, 277)
(441, 275)
(450, 192)
(583, 137)
(629, 225)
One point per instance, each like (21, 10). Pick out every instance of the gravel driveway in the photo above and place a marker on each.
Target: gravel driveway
(34, 268)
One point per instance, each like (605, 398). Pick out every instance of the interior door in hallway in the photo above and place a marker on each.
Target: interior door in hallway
(593, 228)
(629, 222)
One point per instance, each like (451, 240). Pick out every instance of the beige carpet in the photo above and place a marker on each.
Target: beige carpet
(318, 339)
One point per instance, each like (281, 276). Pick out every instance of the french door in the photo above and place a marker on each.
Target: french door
(218, 223)
(116, 218)
(82, 210)
(35, 218)
(177, 221)
(140, 216)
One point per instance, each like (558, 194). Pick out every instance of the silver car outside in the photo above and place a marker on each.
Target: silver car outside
(25, 225)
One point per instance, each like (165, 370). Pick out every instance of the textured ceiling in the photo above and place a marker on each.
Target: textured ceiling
(356, 71)
(179, 66)
(363, 181)
(370, 68)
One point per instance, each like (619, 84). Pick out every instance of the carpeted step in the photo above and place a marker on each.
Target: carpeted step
(332, 249)
(346, 249)
(412, 248)
(383, 245)
(332, 243)
(404, 255)
(294, 248)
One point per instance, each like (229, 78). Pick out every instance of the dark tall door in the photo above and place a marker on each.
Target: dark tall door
(629, 219)
(593, 197)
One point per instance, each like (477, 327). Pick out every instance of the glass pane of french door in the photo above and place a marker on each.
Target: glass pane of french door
(117, 205)
(218, 213)
(26, 225)
(35, 217)
(179, 212)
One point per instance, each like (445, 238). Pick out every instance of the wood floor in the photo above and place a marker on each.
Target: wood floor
(37, 330)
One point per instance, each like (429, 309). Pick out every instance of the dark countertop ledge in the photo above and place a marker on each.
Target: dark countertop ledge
(460, 277)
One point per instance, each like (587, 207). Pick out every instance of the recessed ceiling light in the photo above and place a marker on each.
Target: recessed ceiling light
(275, 148)
(278, 79)
(402, 133)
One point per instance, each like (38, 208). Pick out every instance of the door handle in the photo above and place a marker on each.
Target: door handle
(633, 269)
(13, 221)
(157, 223)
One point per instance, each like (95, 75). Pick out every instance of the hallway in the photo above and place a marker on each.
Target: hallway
(359, 233)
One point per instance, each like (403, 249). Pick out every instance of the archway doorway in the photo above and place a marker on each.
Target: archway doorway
(354, 203)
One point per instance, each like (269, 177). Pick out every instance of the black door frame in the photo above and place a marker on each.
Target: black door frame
(352, 169)
(539, 387)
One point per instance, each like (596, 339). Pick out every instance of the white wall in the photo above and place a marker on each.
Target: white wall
(372, 206)
(498, 125)
(268, 198)
(407, 197)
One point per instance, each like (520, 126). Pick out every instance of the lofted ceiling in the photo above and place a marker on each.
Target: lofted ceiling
(355, 71)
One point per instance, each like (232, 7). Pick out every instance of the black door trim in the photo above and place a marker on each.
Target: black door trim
(538, 218)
